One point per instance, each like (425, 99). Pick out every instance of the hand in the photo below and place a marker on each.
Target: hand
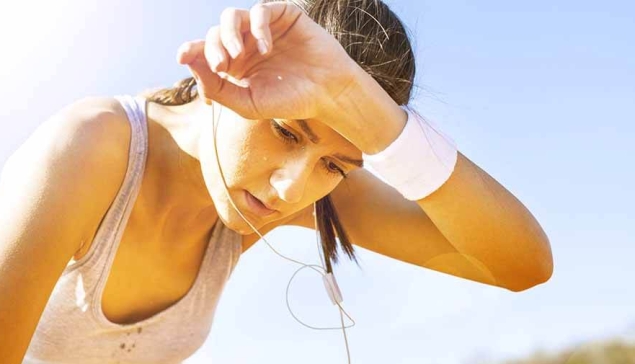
(303, 70)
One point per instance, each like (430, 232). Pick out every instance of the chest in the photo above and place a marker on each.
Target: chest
(141, 285)
(152, 270)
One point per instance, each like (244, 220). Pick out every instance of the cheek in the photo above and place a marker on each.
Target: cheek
(239, 148)
(320, 186)
(210, 160)
(248, 153)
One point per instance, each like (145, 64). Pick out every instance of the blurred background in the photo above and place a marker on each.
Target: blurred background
(540, 94)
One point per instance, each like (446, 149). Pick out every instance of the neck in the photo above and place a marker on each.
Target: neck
(176, 190)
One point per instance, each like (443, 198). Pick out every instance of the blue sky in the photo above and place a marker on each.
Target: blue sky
(539, 94)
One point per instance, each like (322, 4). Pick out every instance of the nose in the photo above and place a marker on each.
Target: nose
(290, 180)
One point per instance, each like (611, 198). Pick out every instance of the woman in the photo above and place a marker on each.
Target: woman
(131, 213)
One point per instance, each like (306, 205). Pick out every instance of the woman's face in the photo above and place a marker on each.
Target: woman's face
(274, 160)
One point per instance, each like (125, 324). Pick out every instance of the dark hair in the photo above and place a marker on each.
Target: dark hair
(375, 38)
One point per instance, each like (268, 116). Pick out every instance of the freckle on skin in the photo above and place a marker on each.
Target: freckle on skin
(133, 345)
(139, 330)
(122, 346)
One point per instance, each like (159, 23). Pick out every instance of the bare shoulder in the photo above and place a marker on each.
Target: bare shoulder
(54, 190)
(90, 119)
(100, 119)
(86, 145)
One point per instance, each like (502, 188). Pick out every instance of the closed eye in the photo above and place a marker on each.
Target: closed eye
(288, 137)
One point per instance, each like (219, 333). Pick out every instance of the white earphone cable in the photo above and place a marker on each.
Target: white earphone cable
(312, 266)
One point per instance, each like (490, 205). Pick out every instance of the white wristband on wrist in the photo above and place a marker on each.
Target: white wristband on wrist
(419, 161)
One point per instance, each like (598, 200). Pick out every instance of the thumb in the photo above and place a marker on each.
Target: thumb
(219, 87)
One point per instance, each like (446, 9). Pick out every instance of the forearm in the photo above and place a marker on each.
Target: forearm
(365, 114)
(485, 222)
(482, 220)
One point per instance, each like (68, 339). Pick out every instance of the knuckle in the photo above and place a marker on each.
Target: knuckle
(212, 34)
(185, 47)
(259, 19)
(228, 13)
(293, 8)
(258, 9)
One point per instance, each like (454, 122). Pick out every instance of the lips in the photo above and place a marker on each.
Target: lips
(257, 206)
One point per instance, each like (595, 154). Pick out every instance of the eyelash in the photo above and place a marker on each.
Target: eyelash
(288, 137)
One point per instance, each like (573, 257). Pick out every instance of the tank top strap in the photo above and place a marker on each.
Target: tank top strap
(123, 203)
(109, 235)
(104, 246)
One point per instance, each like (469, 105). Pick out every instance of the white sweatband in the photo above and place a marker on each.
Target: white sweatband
(418, 162)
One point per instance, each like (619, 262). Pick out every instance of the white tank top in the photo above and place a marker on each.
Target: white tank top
(73, 328)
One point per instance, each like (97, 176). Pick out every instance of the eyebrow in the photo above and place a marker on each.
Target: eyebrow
(315, 139)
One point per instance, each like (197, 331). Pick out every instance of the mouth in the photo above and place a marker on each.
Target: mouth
(256, 206)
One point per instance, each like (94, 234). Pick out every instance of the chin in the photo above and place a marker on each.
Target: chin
(230, 217)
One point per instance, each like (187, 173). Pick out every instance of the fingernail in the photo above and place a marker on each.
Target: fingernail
(262, 46)
(238, 82)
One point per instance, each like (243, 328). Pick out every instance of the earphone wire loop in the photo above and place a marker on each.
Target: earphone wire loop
(312, 266)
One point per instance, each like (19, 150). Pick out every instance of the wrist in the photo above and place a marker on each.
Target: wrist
(418, 162)
(365, 114)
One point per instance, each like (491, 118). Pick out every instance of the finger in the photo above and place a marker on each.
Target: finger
(187, 51)
(283, 12)
(233, 22)
(215, 52)
(212, 86)
(191, 54)
(260, 16)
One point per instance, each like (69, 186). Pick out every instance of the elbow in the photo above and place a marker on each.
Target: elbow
(539, 274)
(526, 284)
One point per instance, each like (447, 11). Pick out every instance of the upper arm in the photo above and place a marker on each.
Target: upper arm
(377, 217)
(53, 189)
